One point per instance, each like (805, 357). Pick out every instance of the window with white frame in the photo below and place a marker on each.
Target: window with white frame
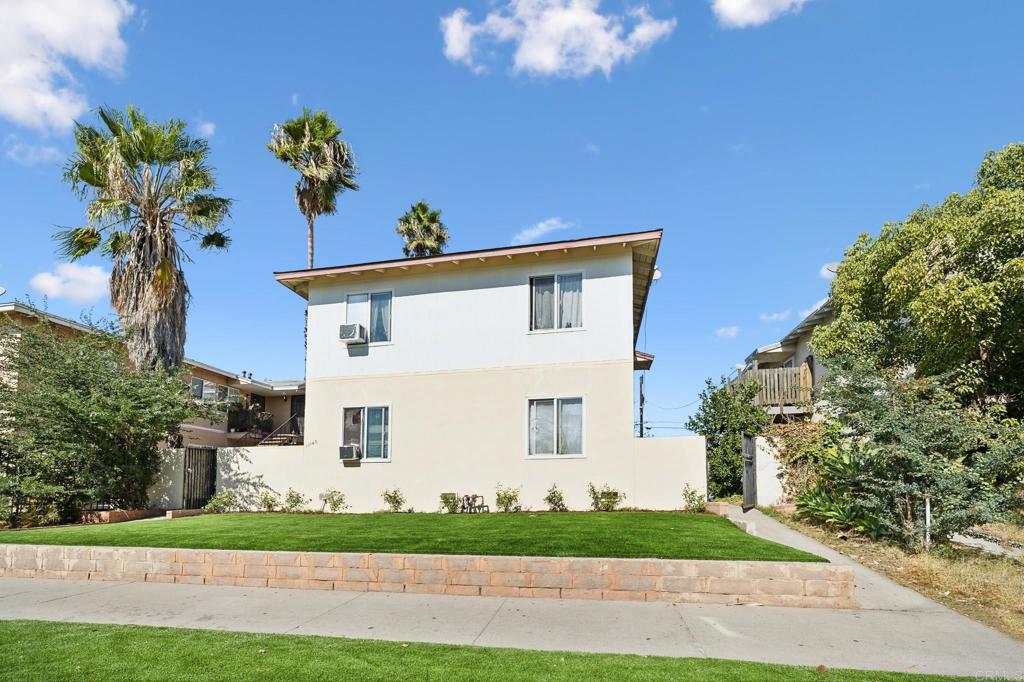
(555, 427)
(556, 301)
(373, 311)
(370, 429)
(211, 392)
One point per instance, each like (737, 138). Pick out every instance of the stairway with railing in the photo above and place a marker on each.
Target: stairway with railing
(288, 433)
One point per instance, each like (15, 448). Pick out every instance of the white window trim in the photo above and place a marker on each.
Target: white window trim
(370, 292)
(529, 302)
(556, 397)
(362, 435)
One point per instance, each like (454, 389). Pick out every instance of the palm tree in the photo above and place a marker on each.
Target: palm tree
(423, 231)
(148, 185)
(311, 145)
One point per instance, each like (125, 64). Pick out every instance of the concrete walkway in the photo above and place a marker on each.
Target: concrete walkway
(896, 629)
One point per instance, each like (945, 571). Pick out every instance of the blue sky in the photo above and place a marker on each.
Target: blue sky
(762, 135)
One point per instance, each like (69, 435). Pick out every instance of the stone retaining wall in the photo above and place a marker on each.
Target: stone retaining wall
(683, 581)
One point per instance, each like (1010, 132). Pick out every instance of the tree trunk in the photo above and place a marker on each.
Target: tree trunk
(309, 243)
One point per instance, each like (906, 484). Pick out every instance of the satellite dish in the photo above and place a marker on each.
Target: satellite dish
(2, 291)
(657, 274)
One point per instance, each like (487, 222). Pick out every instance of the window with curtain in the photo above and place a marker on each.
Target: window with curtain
(556, 301)
(556, 426)
(373, 311)
(370, 429)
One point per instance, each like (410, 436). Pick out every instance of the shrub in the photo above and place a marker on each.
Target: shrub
(506, 498)
(449, 503)
(269, 500)
(693, 500)
(555, 500)
(294, 501)
(394, 499)
(335, 499)
(224, 501)
(605, 498)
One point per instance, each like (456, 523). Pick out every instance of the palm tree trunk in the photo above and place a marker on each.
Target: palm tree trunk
(309, 243)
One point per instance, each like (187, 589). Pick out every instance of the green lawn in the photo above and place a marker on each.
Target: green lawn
(39, 650)
(665, 535)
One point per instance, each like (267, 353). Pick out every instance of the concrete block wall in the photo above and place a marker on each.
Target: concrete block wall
(664, 580)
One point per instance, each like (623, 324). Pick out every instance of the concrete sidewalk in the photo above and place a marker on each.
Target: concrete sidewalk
(934, 640)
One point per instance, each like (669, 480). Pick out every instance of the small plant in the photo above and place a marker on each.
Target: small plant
(449, 503)
(269, 501)
(605, 498)
(555, 500)
(294, 501)
(394, 499)
(506, 498)
(224, 501)
(693, 500)
(335, 499)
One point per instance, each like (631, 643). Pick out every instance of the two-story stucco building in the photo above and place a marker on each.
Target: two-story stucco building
(511, 365)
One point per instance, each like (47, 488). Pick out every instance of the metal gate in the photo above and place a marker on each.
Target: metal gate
(200, 480)
(749, 473)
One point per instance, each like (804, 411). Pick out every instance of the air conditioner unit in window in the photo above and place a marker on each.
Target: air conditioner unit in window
(352, 333)
(350, 452)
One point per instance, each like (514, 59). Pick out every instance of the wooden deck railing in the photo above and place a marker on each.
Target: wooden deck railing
(780, 385)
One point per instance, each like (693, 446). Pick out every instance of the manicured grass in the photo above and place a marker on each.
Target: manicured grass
(666, 535)
(39, 650)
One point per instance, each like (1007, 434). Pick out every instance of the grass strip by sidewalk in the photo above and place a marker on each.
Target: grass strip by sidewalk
(666, 535)
(33, 651)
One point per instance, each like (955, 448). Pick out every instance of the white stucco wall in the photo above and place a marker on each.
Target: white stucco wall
(769, 471)
(166, 492)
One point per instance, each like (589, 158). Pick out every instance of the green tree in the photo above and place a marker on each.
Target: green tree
(943, 290)
(149, 186)
(82, 426)
(311, 144)
(422, 230)
(726, 412)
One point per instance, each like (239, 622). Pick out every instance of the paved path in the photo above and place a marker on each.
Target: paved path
(896, 629)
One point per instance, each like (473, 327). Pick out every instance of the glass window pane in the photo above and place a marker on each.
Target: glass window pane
(542, 303)
(542, 427)
(357, 309)
(570, 301)
(222, 393)
(570, 426)
(234, 395)
(376, 432)
(380, 316)
(352, 426)
(209, 391)
(197, 388)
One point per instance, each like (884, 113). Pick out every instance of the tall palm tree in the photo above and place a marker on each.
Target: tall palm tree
(311, 145)
(423, 231)
(148, 186)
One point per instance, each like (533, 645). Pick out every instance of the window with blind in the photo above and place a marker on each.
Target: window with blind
(556, 301)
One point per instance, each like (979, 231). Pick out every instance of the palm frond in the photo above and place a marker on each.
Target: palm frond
(76, 242)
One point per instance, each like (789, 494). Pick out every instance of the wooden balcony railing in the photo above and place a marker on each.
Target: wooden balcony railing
(780, 385)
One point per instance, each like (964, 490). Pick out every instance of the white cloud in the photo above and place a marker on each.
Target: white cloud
(775, 317)
(563, 38)
(38, 43)
(206, 128)
(592, 148)
(808, 311)
(295, 99)
(747, 13)
(28, 154)
(535, 232)
(828, 270)
(727, 332)
(77, 283)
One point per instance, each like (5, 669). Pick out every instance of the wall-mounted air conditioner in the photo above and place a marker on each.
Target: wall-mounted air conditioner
(352, 333)
(350, 452)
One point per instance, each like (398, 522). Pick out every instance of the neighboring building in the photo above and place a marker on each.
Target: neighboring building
(509, 365)
(786, 369)
(258, 412)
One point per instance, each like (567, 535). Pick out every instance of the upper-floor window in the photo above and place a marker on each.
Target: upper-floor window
(556, 301)
(210, 392)
(373, 311)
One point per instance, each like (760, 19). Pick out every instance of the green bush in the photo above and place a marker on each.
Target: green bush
(394, 499)
(294, 501)
(506, 498)
(449, 503)
(555, 500)
(334, 499)
(224, 501)
(693, 500)
(269, 501)
(605, 498)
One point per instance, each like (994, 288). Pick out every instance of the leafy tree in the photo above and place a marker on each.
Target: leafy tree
(943, 290)
(311, 144)
(82, 426)
(149, 186)
(422, 230)
(726, 412)
(908, 438)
